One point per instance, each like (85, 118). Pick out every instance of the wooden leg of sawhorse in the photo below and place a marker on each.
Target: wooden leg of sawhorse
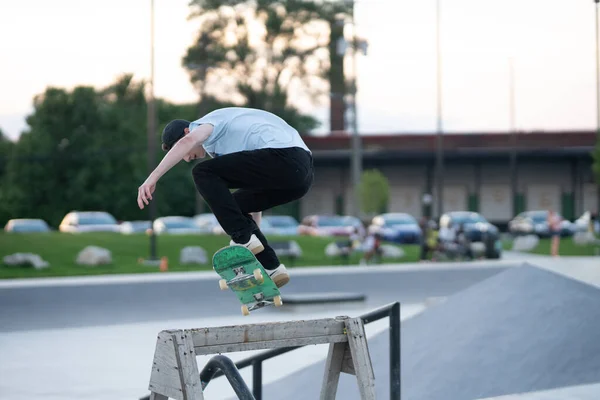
(156, 396)
(353, 358)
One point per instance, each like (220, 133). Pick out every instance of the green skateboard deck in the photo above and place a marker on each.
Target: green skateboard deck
(246, 277)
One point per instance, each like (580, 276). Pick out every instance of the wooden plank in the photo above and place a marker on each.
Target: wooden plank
(333, 367)
(357, 340)
(156, 396)
(270, 344)
(164, 377)
(265, 332)
(188, 367)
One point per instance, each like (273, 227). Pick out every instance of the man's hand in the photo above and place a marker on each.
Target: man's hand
(145, 193)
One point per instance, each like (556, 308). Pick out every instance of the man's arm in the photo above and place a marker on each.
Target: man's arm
(176, 154)
(180, 149)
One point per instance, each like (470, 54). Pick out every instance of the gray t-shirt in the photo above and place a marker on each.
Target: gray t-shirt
(239, 129)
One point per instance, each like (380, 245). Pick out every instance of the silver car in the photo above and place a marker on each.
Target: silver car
(175, 225)
(88, 221)
(26, 225)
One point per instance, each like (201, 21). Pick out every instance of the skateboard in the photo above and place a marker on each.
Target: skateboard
(246, 277)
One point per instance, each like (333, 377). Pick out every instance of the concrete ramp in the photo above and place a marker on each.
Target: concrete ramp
(523, 330)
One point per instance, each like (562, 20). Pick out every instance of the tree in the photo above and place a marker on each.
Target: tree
(261, 53)
(374, 191)
(86, 150)
(6, 148)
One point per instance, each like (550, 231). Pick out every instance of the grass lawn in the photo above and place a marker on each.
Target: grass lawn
(566, 248)
(61, 249)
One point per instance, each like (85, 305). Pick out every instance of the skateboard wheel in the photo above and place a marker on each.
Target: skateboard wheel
(223, 284)
(277, 301)
(245, 310)
(258, 276)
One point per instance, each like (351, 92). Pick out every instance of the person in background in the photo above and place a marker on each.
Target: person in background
(371, 247)
(554, 228)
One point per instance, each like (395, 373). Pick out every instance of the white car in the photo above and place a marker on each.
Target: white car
(208, 223)
(279, 225)
(130, 227)
(536, 223)
(175, 225)
(88, 221)
(26, 225)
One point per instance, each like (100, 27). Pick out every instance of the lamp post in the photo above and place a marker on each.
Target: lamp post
(151, 133)
(597, 50)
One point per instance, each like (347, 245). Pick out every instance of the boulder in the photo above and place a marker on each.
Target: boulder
(525, 243)
(25, 260)
(93, 255)
(193, 255)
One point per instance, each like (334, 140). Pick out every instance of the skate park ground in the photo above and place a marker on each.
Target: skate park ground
(490, 336)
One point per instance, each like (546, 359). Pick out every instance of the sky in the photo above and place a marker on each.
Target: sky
(66, 43)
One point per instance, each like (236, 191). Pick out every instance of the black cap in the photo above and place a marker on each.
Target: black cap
(173, 132)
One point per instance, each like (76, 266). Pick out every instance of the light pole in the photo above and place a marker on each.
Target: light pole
(151, 133)
(356, 160)
(597, 50)
(440, 137)
(356, 143)
(513, 135)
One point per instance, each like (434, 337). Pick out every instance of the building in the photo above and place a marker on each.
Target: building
(553, 170)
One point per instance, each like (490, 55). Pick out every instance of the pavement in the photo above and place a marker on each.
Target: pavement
(525, 333)
(94, 337)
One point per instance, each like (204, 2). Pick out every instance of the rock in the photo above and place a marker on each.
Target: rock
(289, 248)
(93, 255)
(25, 260)
(583, 238)
(332, 250)
(193, 255)
(390, 251)
(525, 243)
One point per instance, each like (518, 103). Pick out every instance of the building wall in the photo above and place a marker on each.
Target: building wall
(479, 186)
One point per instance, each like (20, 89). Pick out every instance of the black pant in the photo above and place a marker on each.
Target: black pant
(264, 178)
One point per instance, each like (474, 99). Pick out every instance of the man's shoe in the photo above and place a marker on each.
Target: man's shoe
(279, 275)
(254, 244)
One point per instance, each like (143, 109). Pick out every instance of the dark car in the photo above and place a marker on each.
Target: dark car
(397, 227)
(476, 229)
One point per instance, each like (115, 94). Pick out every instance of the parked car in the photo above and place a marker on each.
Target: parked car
(26, 225)
(88, 221)
(175, 225)
(208, 223)
(130, 227)
(477, 230)
(397, 227)
(536, 223)
(279, 225)
(330, 225)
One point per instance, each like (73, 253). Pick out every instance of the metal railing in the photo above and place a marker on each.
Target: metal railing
(224, 365)
(391, 310)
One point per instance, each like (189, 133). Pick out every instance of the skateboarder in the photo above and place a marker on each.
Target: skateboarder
(251, 150)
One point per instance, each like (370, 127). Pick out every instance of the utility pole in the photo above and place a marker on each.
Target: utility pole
(356, 142)
(440, 137)
(151, 133)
